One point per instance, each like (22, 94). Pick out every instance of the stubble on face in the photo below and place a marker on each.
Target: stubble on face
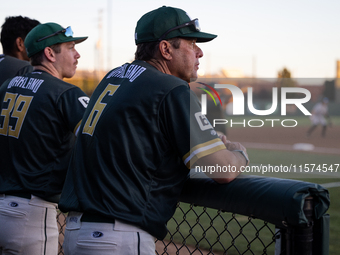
(185, 60)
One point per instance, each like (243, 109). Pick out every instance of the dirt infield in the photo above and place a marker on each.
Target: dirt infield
(286, 135)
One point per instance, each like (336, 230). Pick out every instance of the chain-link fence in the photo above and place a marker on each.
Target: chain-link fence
(201, 230)
(290, 219)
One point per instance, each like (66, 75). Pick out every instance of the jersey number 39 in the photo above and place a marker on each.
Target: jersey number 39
(12, 117)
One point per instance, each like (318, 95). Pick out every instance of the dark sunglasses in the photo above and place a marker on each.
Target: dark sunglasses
(194, 23)
(67, 31)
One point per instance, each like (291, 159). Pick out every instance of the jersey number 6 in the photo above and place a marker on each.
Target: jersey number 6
(98, 109)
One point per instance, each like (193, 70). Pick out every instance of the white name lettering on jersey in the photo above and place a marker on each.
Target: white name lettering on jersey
(23, 82)
(132, 72)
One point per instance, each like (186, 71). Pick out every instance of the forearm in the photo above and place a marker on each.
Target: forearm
(226, 165)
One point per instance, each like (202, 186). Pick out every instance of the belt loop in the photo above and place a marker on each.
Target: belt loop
(73, 220)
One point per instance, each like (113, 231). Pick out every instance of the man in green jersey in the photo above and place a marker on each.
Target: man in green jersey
(140, 135)
(39, 116)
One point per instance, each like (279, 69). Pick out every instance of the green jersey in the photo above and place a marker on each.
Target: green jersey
(10, 67)
(38, 117)
(135, 144)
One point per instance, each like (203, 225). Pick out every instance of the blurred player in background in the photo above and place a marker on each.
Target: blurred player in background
(320, 116)
(14, 60)
(39, 117)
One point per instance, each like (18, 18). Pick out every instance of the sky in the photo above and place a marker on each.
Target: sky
(255, 38)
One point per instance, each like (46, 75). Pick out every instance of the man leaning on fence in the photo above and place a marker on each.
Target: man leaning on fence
(39, 115)
(138, 140)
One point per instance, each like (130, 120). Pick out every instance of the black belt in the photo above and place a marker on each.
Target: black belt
(90, 217)
(20, 194)
(52, 199)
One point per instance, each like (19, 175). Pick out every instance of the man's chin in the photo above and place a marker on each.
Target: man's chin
(193, 79)
(69, 76)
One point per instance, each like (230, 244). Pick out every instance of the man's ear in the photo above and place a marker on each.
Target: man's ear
(50, 54)
(20, 44)
(165, 49)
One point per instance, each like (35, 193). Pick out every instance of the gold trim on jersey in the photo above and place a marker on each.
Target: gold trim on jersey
(75, 130)
(202, 150)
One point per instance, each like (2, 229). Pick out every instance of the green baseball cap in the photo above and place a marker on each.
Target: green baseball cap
(48, 34)
(168, 22)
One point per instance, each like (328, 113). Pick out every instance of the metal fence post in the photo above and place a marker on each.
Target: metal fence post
(297, 240)
(303, 235)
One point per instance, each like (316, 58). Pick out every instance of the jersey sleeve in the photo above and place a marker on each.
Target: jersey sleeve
(188, 131)
(72, 105)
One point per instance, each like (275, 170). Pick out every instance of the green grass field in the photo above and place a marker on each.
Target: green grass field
(211, 221)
